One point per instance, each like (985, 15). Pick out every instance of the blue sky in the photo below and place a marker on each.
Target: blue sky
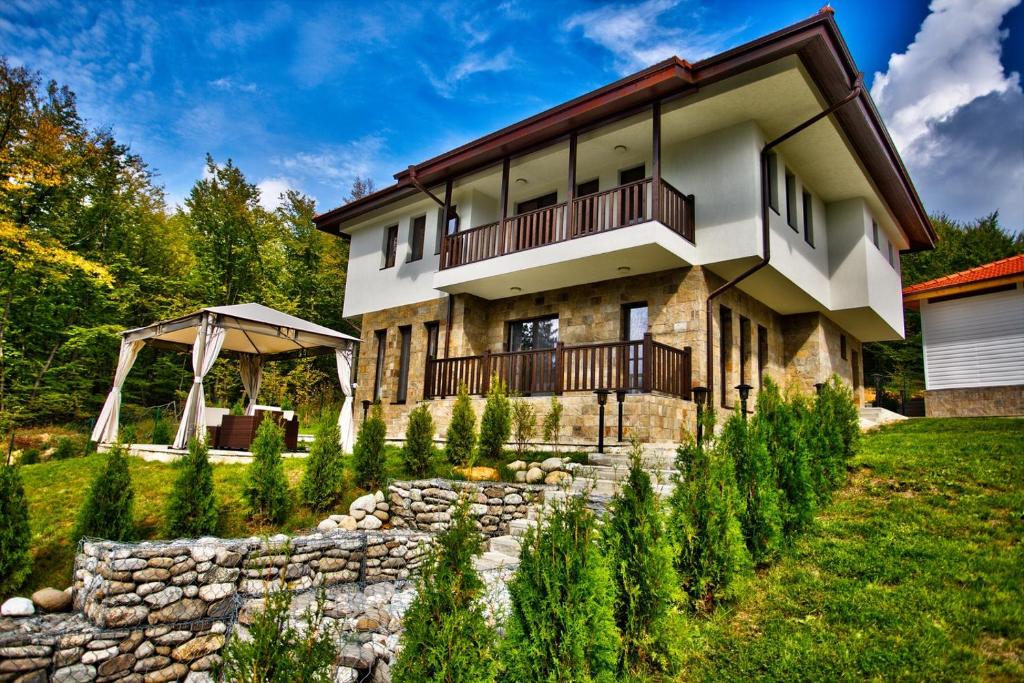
(307, 95)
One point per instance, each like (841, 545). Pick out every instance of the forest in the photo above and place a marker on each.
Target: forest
(89, 247)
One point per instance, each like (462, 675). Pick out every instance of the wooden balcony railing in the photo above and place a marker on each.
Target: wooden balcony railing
(619, 207)
(641, 366)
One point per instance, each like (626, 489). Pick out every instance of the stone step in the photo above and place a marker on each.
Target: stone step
(655, 461)
(618, 472)
(601, 487)
(492, 560)
(506, 545)
(519, 527)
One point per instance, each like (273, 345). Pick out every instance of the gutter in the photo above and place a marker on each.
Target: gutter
(858, 88)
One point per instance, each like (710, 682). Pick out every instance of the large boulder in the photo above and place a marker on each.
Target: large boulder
(557, 477)
(367, 504)
(17, 607)
(552, 464)
(534, 475)
(479, 473)
(52, 600)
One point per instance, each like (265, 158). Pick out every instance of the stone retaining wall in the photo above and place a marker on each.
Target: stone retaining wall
(975, 402)
(426, 505)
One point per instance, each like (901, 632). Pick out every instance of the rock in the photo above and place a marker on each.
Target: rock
(346, 522)
(534, 475)
(367, 624)
(516, 466)
(17, 607)
(164, 597)
(513, 499)
(327, 525)
(116, 617)
(557, 477)
(379, 496)
(198, 647)
(185, 610)
(216, 591)
(352, 655)
(357, 514)
(370, 523)
(52, 600)
(74, 674)
(116, 665)
(346, 674)
(521, 476)
(552, 464)
(477, 510)
(478, 473)
(381, 515)
(367, 504)
(173, 672)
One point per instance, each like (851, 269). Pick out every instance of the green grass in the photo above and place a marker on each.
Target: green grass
(914, 572)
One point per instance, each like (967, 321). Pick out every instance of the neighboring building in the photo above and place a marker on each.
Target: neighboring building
(578, 249)
(972, 324)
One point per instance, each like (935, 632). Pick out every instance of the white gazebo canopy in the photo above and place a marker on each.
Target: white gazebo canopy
(253, 333)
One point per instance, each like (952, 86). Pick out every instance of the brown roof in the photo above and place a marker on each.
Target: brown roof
(997, 270)
(815, 40)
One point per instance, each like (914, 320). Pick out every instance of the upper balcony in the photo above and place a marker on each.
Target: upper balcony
(591, 207)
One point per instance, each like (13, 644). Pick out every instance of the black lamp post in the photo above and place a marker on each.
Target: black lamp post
(620, 396)
(744, 390)
(366, 408)
(700, 396)
(877, 376)
(602, 399)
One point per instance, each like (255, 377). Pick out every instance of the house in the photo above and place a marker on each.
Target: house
(710, 223)
(972, 324)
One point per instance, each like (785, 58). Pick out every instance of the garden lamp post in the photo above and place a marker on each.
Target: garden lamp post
(366, 408)
(700, 395)
(620, 396)
(877, 376)
(744, 390)
(602, 399)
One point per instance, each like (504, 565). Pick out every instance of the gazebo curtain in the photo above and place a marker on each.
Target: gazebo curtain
(250, 367)
(346, 422)
(204, 354)
(106, 427)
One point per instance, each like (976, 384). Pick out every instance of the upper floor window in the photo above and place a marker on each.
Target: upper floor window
(874, 232)
(842, 346)
(537, 203)
(390, 245)
(416, 233)
(773, 182)
(892, 261)
(452, 225)
(791, 200)
(808, 219)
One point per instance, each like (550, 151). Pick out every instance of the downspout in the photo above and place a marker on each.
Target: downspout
(765, 232)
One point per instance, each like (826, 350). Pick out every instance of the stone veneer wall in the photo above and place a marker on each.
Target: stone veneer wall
(975, 402)
(426, 505)
(813, 353)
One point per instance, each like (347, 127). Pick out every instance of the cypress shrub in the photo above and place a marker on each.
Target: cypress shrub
(368, 453)
(495, 423)
(834, 436)
(635, 542)
(322, 482)
(419, 441)
(704, 518)
(65, 449)
(561, 625)
(161, 431)
(29, 456)
(460, 440)
(15, 536)
(524, 423)
(552, 428)
(759, 513)
(192, 508)
(266, 488)
(784, 427)
(447, 638)
(107, 512)
(279, 650)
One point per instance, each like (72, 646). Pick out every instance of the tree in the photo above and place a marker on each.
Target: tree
(637, 547)
(15, 535)
(524, 423)
(107, 512)
(419, 441)
(322, 483)
(460, 439)
(368, 453)
(266, 487)
(704, 519)
(446, 637)
(495, 423)
(552, 427)
(561, 626)
(360, 188)
(192, 506)
(834, 431)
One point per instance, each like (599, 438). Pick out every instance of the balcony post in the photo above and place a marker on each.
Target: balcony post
(656, 160)
(486, 384)
(445, 257)
(647, 361)
(503, 205)
(559, 368)
(571, 194)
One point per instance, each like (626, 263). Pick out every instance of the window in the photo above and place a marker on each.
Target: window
(874, 232)
(744, 348)
(433, 333)
(452, 224)
(773, 182)
(416, 233)
(534, 333)
(381, 337)
(390, 245)
(842, 346)
(631, 200)
(589, 187)
(725, 350)
(634, 327)
(791, 199)
(586, 213)
(891, 260)
(808, 219)
(537, 203)
(405, 333)
(762, 353)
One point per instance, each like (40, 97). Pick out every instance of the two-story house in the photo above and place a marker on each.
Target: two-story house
(706, 224)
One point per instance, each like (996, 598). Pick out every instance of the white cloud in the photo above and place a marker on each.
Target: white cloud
(955, 114)
(333, 168)
(229, 85)
(638, 35)
(470, 64)
(271, 190)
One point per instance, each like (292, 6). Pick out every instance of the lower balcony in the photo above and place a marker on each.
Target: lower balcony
(634, 366)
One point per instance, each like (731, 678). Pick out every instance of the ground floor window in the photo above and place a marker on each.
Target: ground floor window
(533, 333)
(405, 334)
(744, 348)
(725, 350)
(381, 337)
(762, 353)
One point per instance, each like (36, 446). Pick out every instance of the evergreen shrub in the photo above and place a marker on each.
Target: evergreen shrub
(368, 454)
(418, 452)
(161, 433)
(65, 449)
(107, 512)
(192, 507)
(323, 479)
(15, 535)
(524, 423)
(266, 487)
(552, 428)
(460, 440)
(495, 423)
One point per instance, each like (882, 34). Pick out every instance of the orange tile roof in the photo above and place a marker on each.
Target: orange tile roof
(1007, 267)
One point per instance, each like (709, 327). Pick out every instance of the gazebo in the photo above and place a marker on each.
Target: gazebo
(253, 333)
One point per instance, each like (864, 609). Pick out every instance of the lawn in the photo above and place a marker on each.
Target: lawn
(914, 572)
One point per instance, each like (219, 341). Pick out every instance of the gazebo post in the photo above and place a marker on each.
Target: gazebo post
(200, 351)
